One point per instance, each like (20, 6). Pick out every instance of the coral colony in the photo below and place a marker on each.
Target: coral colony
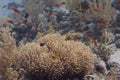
(60, 40)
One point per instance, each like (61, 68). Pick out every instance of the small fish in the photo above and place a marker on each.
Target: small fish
(39, 28)
(33, 28)
(10, 21)
(119, 1)
(63, 3)
(96, 9)
(107, 24)
(26, 15)
(82, 17)
(50, 13)
(101, 25)
(90, 35)
(88, 11)
(42, 44)
(57, 5)
(86, 43)
(55, 57)
(78, 24)
(19, 24)
(80, 7)
(15, 10)
(25, 21)
(94, 42)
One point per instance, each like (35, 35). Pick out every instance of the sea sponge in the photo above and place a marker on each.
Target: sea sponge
(54, 58)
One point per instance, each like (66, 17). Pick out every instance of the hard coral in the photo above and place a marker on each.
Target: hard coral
(8, 54)
(103, 51)
(4, 22)
(54, 58)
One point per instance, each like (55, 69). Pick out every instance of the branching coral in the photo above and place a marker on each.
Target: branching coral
(3, 22)
(106, 38)
(54, 58)
(73, 36)
(33, 9)
(103, 51)
(105, 8)
(7, 52)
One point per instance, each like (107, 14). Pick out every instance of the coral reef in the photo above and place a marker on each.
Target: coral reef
(54, 58)
(8, 54)
(73, 36)
(4, 22)
(56, 40)
(58, 19)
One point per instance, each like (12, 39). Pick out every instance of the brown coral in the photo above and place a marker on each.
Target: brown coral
(54, 58)
(8, 52)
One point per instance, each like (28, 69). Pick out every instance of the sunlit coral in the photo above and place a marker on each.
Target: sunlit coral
(55, 58)
(8, 52)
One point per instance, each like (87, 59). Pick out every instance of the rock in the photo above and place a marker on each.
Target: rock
(95, 76)
(113, 64)
(117, 36)
(117, 30)
(115, 58)
(100, 65)
(115, 4)
(117, 43)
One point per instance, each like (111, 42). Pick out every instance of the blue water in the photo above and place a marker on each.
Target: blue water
(4, 11)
